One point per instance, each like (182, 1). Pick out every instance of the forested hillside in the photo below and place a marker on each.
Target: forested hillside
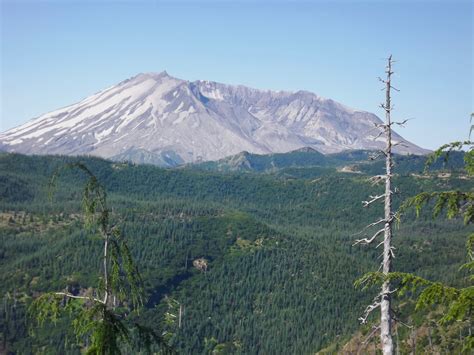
(277, 248)
(356, 161)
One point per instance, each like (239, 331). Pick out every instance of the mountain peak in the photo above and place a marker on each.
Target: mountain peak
(154, 75)
(162, 74)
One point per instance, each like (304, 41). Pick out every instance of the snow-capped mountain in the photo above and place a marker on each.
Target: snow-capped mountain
(156, 118)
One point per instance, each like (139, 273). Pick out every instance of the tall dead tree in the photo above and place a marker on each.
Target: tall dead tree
(385, 316)
(383, 299)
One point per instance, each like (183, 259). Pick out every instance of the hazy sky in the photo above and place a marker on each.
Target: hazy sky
(54, 53)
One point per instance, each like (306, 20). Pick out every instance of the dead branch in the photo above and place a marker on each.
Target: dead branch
(376, 156)
(402, 123)
(402, 143)
(389, 292)
(367, 241)
(369, 309)
(378, 135)
(372, 200)
(369, 226)
(377, 178)
(69, 295)
(396, 319)
(380, 125)
(375, 328)
(387, 109)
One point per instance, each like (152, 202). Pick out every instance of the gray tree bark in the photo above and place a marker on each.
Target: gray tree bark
(383, 299)
(385, 303)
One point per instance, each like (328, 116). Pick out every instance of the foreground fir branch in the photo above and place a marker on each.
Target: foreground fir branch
(455, 203)
(100, 316)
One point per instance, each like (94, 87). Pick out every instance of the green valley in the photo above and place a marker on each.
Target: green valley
(275, 235)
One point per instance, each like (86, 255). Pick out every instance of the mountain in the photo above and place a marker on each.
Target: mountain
(156, 118)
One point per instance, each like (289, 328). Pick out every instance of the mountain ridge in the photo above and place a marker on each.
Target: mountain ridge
(159, 119)
(307, 162)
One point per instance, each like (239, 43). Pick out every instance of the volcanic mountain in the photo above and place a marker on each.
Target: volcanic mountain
(156, 118)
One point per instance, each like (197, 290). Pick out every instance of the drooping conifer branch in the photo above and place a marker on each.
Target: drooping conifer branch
(96, 315)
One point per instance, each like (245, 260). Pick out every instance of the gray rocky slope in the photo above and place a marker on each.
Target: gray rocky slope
(156, 118)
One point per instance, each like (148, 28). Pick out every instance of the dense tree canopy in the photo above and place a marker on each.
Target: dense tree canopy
(278, 248)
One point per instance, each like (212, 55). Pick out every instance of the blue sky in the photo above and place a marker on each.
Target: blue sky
(54, 53)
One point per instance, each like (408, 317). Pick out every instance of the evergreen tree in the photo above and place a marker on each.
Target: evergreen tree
(100, 314)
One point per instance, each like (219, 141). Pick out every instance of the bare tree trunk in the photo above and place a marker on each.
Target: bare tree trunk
(383, 299)
(413, 341)
(385, 303)
(430, 342)
(106, 273)
(397, 349)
